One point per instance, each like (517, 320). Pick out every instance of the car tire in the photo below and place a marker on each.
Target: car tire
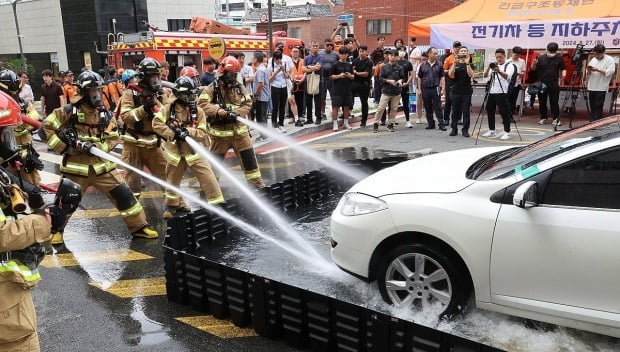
(448, 284)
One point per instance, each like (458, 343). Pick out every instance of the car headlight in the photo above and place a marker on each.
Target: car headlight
(359, 204)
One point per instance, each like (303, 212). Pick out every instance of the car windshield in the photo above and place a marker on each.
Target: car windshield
(524, 159)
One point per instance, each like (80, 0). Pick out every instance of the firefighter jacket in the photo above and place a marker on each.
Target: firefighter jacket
(177, 114)
(18, 234)
(236, 100)
(85, 120)
(23, 132)
(137, 125)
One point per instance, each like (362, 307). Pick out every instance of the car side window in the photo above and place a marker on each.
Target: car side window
(592, 182)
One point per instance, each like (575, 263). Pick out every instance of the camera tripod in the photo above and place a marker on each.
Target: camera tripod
(484, 102)
(573, 94)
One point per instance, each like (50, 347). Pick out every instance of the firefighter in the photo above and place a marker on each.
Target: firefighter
(177, 120)
(141, 145)
(73, 130)
(224, 100)
(26, 164)
(21, 250)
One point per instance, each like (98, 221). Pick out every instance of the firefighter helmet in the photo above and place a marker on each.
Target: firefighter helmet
(10, 83)
(229, 64)
(10, 111)
(185, 89)
(88, 79)
(148, 67)
(189, 71)
(127, 75)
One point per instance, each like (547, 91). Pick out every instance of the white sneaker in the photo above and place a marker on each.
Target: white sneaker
(335, 126)
(282, 129)
(490, 134)
(408, 124)
(291, 121)
(542, 121)
(346, 126)
(557, 122)
(505, 136)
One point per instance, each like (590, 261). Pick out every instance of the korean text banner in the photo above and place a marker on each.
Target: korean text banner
(529, 34)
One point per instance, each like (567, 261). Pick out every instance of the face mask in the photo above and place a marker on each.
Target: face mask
(95, 99)
(229, 77)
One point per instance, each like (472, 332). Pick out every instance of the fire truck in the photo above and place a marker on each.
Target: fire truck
(181, 48)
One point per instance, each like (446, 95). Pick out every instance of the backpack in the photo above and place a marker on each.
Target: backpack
(513, 79)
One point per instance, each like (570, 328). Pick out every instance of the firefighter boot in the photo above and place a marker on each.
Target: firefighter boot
(57, 238)
(145, 232)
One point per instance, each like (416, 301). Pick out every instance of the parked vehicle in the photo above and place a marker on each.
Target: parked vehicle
(531, 231)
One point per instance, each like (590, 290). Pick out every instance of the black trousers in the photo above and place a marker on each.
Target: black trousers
(597, 101)
(514, 94)
(299, 100)
(498, 101)
(260, 110)
(461, 108)
(447, 107)
(316, 100)
(553, 93)
(362, 92)
(278, 104)
(404, 95)
(432, 102)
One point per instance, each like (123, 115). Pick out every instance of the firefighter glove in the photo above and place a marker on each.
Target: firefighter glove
(85, 147)
(180, 133)
(149, 107)
(68, 136)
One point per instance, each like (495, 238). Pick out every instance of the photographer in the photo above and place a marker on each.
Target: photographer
(600, 70)
(501, 73)
(548, 67)
(461, 73)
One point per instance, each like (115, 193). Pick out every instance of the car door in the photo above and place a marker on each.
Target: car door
(566, 250)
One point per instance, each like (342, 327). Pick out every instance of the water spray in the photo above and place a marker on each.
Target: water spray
(219, 211)
(269, 211)
(339, 167)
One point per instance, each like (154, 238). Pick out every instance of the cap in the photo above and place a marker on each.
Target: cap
(280, 44)
(456, 44)
(62, 73)
(68, 73)
(387, 51)
(394, 52)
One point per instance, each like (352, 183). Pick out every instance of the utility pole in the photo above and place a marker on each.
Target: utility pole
(19, 36)
(270, 28)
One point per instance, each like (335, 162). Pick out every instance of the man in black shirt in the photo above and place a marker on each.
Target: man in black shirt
(430, 80)
(362, 70)
(52, 96)
(393, 78)
(461, 73)
(342, 78)
(549, 67)
(407, 68)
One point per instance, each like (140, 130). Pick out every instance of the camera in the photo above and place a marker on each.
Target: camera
(493, 65)
(461, 56)
(581, 53)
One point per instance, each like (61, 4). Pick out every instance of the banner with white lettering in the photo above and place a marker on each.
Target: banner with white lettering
(529, 34)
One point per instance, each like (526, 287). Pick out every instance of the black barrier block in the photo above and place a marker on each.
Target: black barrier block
(349, 325)
(377, 331)
(176, 289)
(320, 329)
(196, 282)
(398, 335)
(301, 185)
(426, 339)
(237, 296)
(265, 306)
(315, 186)
(293, 315)
(215, 283)
(176, 232)
(289, 195)
(219, 228)
(275, 196)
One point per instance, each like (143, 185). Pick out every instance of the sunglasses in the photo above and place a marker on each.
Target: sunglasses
(330, 44)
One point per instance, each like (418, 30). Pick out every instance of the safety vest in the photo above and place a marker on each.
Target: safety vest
(14, 270)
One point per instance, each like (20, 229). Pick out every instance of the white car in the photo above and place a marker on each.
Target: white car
(531, 231)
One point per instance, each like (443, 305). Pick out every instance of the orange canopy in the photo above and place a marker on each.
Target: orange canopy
(517, 10)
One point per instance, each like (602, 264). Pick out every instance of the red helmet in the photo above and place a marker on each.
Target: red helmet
(10, 111)
(229, 64)
(189, 71)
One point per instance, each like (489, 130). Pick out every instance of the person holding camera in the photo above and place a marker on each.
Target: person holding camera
(548, 67)
(461, 73)
(500, 73)
(447, 63)
(600, 70)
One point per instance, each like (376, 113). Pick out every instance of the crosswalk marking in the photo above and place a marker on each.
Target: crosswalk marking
(83, 258)
(221, 328)
(135, 287)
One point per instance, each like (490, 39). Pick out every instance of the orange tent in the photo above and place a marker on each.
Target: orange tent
(512, 11)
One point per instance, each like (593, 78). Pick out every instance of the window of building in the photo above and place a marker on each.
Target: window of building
(175, 25)
(374, 27)
(294, 32)
(236, 6)
(256, 5)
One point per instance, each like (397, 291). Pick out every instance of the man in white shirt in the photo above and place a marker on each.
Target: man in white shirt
(520, 63)
(600, 69)
(501, 73)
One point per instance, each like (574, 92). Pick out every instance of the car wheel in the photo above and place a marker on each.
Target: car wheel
(413, 275)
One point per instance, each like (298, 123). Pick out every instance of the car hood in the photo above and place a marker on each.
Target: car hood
(436, 173)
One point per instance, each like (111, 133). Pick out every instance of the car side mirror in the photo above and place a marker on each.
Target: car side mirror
(526, 195)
